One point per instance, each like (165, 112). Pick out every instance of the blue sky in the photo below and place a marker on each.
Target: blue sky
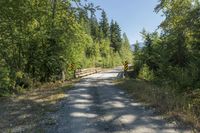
(132, 15)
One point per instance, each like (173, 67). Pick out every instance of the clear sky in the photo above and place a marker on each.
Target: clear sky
(132, 15)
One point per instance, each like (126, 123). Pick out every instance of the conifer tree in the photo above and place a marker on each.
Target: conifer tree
(116, 40)
(104, 25)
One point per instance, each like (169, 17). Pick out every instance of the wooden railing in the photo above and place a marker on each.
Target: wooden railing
(85, 72)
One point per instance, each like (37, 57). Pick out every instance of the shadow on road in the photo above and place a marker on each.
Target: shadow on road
(97, 106)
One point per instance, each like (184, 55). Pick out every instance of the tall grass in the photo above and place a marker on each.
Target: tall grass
(166, 99)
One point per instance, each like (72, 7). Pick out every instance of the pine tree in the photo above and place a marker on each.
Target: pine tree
(116, 40)
(136, 47)
(94, 26)
(104, 25)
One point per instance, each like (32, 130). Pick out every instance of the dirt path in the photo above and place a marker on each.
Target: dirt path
(95, 105)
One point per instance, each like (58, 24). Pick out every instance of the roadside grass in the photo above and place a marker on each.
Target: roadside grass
(26, 112)
(176, 108)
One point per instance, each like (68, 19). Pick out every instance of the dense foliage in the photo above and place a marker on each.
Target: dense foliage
(174, 55)
(172, 58)
(40, 39)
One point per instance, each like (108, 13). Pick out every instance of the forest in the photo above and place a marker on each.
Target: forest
(41, 40)
(45, 41)
(171, 59)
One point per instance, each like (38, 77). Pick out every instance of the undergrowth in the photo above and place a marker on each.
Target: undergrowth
(166, 100)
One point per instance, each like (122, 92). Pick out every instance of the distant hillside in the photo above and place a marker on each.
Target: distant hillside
(141, 44)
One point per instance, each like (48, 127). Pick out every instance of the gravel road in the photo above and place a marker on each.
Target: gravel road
(95, 105)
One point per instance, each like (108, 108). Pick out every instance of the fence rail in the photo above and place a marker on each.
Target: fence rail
(85, 72)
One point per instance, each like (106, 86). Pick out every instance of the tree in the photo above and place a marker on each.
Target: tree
(173, 56)
(39, 40)
(94, 27)
(175, 28)
(104, 25)
(125, 51)
(116, 40)
(136, 47)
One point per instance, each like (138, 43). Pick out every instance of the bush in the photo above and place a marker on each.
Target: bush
(23, 81)
(146, 73)
(5, 81)
(183, 79)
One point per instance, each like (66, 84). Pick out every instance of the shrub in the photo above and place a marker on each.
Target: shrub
(23, 81)
(5, 81)
(146, 73)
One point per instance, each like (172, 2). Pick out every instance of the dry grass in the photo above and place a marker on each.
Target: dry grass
(175, 107)
(27, 111)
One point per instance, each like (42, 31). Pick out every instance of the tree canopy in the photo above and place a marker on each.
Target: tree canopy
(39, 40)
(173, 55)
